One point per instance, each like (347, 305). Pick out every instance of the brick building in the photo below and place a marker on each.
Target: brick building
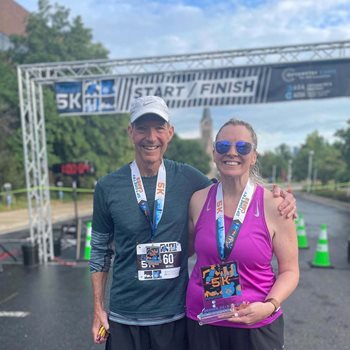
(13, 19)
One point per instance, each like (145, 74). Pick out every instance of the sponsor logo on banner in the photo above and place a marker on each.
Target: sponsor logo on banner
(86, 97)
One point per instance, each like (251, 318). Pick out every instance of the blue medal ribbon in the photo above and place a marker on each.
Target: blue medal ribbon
(226, 242)
(159, 197)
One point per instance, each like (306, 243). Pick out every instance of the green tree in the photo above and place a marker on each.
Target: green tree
(278, 159)
(266, 163)
(331, 165)
(327, 160)
(190, 152)
(344, 145)
(11, 160)
(52, 37)
(283, 154)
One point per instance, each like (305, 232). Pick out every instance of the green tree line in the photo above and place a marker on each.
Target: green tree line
(53, 37)
(330, 161)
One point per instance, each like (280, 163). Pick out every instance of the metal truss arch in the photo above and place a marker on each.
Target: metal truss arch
(32, 77)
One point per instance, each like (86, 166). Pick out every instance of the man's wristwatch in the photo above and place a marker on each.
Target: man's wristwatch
(275, 303)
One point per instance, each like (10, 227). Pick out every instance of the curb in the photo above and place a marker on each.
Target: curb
(323, 200)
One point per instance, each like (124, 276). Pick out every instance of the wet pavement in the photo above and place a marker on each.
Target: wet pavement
(58, 302)
(50, 306)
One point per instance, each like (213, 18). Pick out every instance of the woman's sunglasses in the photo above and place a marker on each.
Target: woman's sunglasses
(242, 147)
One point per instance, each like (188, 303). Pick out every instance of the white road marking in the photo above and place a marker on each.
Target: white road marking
(14, 314)
(8, 298)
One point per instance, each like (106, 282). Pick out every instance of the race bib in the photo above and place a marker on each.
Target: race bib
(156, 261)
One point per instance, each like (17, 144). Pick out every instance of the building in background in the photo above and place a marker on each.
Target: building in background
(206, 127)
(13, 19)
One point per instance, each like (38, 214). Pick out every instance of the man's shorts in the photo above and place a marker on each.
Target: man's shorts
(168, 336)
(211, 337)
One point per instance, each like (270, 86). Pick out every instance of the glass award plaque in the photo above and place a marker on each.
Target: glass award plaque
(215, 314)
(222, 290)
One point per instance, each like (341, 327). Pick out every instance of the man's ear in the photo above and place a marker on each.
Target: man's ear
(171, 132)
(129, 130)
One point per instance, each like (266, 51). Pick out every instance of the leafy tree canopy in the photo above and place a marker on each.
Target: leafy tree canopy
(11, 162)
(52, 37)
(189, 151)
(344, 146)
(326, 160)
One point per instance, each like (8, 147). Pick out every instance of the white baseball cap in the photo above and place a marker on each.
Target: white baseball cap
(148, 105)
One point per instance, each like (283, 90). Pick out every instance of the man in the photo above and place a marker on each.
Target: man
(141, 210)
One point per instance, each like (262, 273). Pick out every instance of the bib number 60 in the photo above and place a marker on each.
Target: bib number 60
(168, 259)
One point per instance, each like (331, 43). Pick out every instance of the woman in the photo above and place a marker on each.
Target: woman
(235, 228)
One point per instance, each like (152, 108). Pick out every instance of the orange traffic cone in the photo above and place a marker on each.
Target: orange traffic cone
(321, 257)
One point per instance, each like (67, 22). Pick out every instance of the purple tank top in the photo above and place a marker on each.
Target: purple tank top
(253, 252)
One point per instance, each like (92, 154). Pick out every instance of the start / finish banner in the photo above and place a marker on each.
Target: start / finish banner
(207, 87)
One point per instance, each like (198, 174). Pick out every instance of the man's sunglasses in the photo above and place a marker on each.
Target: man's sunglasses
(242, 147)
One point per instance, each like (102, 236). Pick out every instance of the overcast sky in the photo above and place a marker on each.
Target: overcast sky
(139, 28)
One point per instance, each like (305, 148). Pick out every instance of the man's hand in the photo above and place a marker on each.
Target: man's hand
(100, 335)
(288, 207)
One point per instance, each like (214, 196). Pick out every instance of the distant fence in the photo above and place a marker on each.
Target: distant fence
(337, 191)
(50, 188)
(331, 186)
(11, 199)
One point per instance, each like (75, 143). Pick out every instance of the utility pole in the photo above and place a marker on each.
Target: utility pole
(309, 172)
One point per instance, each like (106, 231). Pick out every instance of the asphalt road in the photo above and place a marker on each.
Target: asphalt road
(57, 297)
(317, 315)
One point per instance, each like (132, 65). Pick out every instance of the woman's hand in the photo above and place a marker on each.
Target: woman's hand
(252, 313)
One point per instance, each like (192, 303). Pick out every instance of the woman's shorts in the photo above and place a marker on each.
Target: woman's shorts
(211, 337)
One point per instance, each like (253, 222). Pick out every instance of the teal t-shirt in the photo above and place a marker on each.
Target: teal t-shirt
(119, 223)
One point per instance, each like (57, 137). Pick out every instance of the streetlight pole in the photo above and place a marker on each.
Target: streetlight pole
(273, 177)
(309, 172)
(289, 173)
